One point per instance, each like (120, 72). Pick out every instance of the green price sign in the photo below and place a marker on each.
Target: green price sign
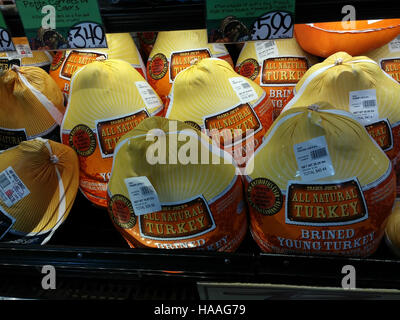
(249, 20)
(6, 43)
(62, 24)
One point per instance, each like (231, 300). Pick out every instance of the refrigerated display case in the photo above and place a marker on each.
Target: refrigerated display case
(92, 261)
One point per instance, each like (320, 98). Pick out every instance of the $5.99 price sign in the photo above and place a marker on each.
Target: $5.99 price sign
(62, 24)
(230, 21)
(6, 43)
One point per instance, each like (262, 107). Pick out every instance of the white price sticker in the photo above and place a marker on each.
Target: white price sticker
(21, 51)
(150, 98)
(266, 49)
(394, 45)
(243, 89)
(364, 106)
(87, 35)
(313, 159)
(12, 189)
(143, 196)
(273, 25)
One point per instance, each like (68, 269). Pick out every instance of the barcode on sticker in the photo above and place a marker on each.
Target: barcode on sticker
(243, 89)
(369, 103)
(266, 49)
(364, 106)
(12, 189)
(150, 98)
(319, 153)
(313, 159)
(143, 196)
(146, 190)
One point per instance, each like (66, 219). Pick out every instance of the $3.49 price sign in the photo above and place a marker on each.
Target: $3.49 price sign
(62, 24)
(87, 35)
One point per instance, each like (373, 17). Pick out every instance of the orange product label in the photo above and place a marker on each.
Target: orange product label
(109, 131)
(336, 218)
(178, 221)
(381, 132)
(284, 70)
(278, 98)
(76, 60)
(184, 59)
(249, 68)
(189, 224)
(392, 67)
(230, 129)
(237, 121)
(325, 204)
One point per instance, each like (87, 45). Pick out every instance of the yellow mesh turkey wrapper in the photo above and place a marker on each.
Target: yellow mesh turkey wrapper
(209, 178)
(108, 98)
(174, 51)
(48, 173)
(318, 176)
(358, 85)
(31, 105)
(212, 96)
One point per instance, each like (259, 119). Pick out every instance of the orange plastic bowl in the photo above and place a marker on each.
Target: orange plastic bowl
(327, 38)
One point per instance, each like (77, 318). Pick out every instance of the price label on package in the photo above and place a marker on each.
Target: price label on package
(143, 196)
(230, 21)
(6, 43)
(63, 24)
(243, 89)
(313, 159)
(363, 104)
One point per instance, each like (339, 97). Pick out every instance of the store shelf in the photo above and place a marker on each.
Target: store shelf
(92, 261)
(138, 16)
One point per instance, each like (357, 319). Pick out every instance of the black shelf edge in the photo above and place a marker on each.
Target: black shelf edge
(193, 266)
(142, 16)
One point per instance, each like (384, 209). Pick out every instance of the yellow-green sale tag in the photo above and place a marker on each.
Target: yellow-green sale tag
(62, 24)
